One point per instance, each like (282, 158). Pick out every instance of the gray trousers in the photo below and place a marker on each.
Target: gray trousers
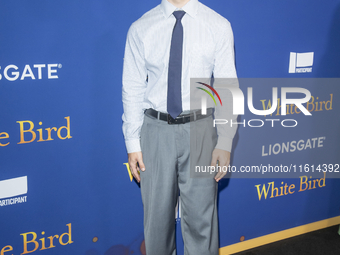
(170, 152)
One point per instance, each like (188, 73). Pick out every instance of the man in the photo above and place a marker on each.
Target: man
(175, 41)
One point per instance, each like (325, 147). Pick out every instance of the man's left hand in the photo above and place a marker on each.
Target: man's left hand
(223, 157)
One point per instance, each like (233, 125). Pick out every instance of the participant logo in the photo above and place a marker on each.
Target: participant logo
(11, 191)
(301, 62)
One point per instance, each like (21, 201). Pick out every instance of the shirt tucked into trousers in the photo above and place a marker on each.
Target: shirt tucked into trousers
(171, 151)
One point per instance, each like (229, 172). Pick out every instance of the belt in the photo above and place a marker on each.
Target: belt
(181, 119)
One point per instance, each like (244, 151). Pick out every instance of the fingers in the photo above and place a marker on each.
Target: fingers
(214, 159)
(134, 170)
(141, 165)
(223, 158)
(220, 175)
(224, 162)
(136, 164)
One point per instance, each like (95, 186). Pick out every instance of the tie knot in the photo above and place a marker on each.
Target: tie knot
(179, 14)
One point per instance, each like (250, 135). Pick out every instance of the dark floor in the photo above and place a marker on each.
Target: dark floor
(321, 242)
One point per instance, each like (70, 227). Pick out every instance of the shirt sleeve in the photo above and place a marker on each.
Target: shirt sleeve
(133, 91)
(224, 67)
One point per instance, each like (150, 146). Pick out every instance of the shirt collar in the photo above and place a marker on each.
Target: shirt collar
(190, 8)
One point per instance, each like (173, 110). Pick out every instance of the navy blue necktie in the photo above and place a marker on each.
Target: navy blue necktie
(174, 100)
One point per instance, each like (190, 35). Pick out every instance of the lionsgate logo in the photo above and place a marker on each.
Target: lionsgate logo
(33, 72)
(237, 98)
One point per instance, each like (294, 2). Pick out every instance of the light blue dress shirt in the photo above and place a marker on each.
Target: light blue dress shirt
(208, 48)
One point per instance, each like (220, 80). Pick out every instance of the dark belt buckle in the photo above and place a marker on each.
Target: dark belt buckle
(171, 120)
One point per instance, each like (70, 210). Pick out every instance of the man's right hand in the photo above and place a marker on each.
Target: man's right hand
(133, 159)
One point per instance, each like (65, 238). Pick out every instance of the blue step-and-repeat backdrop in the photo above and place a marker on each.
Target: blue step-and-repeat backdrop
(64, 187)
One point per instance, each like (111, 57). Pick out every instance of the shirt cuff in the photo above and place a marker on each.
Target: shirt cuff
(133, 145)
(224, 143)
